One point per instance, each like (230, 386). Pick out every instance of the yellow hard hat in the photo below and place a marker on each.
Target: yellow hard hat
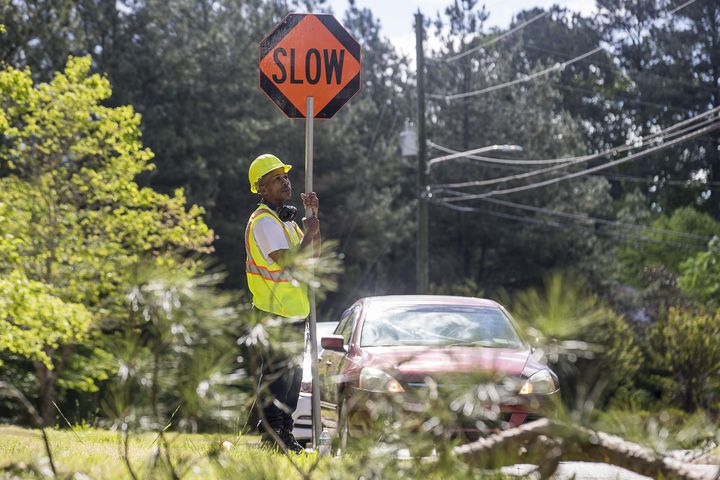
(263, 164)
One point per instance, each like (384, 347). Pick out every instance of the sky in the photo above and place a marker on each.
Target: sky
(396, 16)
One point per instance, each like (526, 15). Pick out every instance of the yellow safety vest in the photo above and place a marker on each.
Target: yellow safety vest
(272, 288)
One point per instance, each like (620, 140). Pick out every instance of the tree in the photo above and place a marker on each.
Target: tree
(73, 218)
(672, 67)
(700, 275)
(35, 322)
(589, 88)
(368, 189)
(42, 34)
(676, 238)
(483, 244)
(188, 66)
(688, 350)
(593, 349)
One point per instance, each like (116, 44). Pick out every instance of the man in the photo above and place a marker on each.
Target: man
(271, 237)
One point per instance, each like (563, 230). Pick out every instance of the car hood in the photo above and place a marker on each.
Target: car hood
(447, 359)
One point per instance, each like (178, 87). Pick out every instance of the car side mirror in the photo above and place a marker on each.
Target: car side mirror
(335, 343)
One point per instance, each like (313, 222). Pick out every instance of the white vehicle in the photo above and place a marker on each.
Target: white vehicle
(303, 412)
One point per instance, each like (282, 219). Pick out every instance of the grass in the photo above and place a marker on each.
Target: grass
(98, 454)
(87, 453)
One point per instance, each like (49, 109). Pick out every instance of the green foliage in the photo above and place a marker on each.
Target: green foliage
(664, 430)
(483, 245)
(175, 353)
(95, 453)
(686, 349)
(563, 309)
(669, 74)
(71, 214)
(701, 275)
(75, 217)
(620, 358)
(72, 191)
(685, 226)
(593, 350)
(468, 288)
(35, 322)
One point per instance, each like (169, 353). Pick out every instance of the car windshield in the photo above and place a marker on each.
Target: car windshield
(438, 325)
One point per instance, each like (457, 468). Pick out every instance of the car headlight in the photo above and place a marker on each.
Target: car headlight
(374, 380)
(540, 382)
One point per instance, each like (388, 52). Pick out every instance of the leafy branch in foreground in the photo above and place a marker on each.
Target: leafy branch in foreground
(176, 359)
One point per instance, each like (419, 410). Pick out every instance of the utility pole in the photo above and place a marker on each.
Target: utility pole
(422, 211)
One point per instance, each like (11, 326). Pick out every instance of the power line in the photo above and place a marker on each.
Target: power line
(526, 219)
(488, 148)
(493, 164)
(587, 171)
(509, 164)
(675, 183)
(587, 218)
(498, 38)
(526, 78)
(601, 63)
(603, 166)
(574, 161)
(546, 71)
(569, 161)
(622, 98)
(610, 176)
(505, 161)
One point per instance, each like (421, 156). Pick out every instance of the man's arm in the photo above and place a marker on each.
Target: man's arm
(311, 201)
(311, 237)
(312, 234)
(311, 226)
(317, 244)
(277, 256)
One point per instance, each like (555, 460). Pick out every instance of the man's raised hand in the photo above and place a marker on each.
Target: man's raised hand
(311, 201)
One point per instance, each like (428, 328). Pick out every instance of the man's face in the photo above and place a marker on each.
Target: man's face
(275, 186)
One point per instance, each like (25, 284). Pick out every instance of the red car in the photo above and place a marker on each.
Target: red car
(400, 347)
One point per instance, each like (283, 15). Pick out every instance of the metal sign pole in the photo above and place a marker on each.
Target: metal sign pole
(309, 115)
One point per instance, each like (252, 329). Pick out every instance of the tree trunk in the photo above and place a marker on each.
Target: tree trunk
(545, 440)
(690, 404)
(47, 381)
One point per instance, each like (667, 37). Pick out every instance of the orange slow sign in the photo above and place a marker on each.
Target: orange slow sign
(309, 55)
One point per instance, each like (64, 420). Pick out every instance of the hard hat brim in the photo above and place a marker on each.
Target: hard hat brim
(286, 167)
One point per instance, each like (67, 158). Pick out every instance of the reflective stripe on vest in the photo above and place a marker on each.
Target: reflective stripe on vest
(272, 288)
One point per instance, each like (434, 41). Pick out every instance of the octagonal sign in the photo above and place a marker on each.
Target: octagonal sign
(309, 55)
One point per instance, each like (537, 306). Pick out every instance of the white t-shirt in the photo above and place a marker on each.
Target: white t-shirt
(270, 236)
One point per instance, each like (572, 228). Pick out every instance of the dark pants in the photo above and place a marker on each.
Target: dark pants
(280, 399)
(283, 378)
